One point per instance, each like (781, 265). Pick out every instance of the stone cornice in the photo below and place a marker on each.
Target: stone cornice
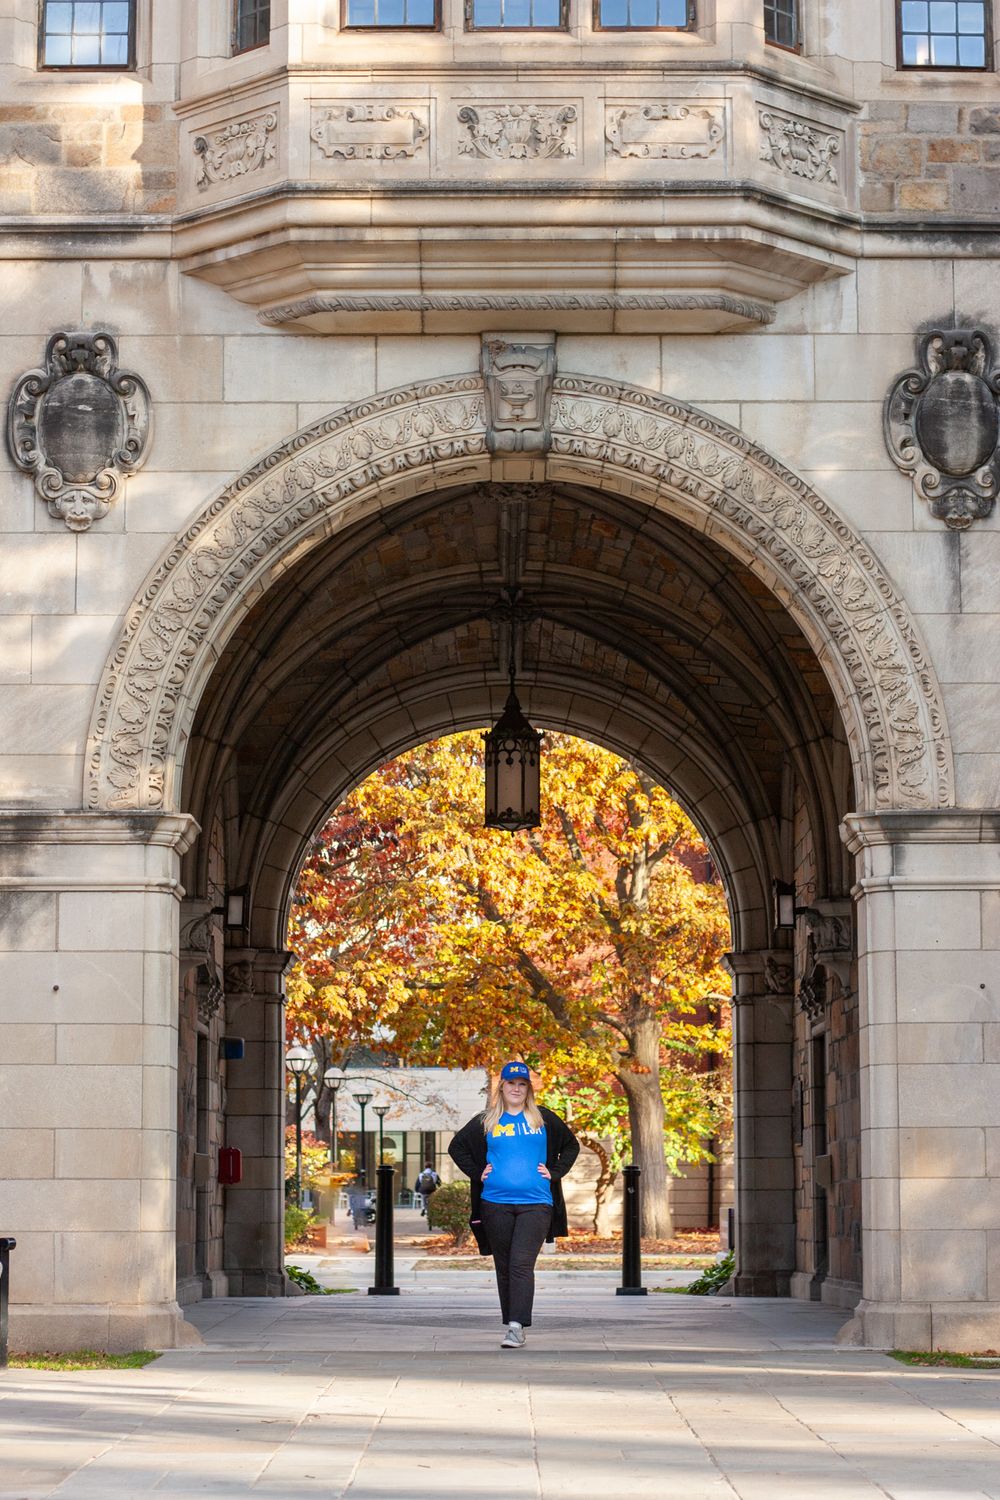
(619, 68)
(168, 830)
(949, 826)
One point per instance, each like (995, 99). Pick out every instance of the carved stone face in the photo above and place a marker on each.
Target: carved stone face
(957, 422)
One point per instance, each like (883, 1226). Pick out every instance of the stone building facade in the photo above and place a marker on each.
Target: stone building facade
(323, 325)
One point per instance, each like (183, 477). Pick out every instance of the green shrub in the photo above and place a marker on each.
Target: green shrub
(297, 1221)
(714, 1278)
(449, 1209)
(307, 1281)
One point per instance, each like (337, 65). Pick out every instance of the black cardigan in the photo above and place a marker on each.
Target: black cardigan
(468, 1152)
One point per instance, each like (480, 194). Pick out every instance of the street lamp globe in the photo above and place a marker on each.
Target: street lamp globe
(299, 1062)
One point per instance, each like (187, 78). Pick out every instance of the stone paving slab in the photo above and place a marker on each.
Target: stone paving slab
(358, 1398)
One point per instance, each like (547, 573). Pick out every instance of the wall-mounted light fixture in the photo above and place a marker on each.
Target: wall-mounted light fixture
(236, 907)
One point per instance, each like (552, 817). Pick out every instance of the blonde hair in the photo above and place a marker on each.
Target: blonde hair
(496, 1107)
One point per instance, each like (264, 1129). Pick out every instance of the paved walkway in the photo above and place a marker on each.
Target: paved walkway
(613, 1399)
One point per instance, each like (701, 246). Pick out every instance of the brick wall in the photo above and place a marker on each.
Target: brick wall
(930, 158)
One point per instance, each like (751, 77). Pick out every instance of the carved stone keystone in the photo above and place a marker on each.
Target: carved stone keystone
(79, 425)
(518, 381)
(942, 424)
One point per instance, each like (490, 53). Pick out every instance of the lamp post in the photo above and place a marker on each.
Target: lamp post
(300, 1065)
(361, 1100)
(381, 1110)
(333, 1080)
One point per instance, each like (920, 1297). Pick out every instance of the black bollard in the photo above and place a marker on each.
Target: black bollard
(383, 1235)
(6, 1246)
(631, 1237)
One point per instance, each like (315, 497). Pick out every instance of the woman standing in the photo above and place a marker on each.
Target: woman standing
(515, 1155)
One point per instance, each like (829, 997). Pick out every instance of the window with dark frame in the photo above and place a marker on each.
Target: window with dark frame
(644, 15)
(943, 34)
(397, 14)
(95, 34)
(251, 25)
(517, 15)
(781, 23)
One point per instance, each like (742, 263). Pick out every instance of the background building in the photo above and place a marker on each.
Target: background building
(421, 301)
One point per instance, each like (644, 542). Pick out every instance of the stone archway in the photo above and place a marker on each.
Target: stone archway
(625, 440)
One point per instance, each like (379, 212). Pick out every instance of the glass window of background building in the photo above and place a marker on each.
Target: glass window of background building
(623, 15)
(251, 24)
(98, 34)
(943, 34)
(518, 15)
(781, 22)
(398, 13)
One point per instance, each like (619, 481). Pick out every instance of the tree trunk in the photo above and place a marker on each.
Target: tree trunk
(602, 1187)
(639, 1076)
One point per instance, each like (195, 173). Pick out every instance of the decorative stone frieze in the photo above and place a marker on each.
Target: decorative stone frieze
(798, 147)
(518, 132)
(942, 424)
(736, 310)
(235, 149)
(518, 380)
(619, 438)
(677, 132)
(370, 131)
(79, 425)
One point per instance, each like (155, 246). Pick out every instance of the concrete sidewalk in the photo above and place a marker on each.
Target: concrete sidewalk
(410, 1397)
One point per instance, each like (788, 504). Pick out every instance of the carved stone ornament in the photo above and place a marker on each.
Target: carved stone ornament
(797, 148)
(778, 974)
(942, 424)
(370, 132)
(829, 948)
(518, 132)
(362, 458)
(79, 425)
(666, 131)
(518, 380)
(238, 979)
(197, 953)
(240, 147)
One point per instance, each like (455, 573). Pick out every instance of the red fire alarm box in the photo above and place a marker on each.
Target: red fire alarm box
(230, 1165)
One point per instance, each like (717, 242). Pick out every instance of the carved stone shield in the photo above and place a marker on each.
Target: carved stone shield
(79, 425)
(942, 425)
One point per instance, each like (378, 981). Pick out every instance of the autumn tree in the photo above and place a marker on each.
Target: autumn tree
(589, 946)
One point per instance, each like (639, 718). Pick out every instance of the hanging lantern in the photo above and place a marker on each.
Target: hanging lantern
(513, 770)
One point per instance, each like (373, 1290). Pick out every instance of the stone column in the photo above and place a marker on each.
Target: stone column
(88, 1076)
(929, 979)
(762, 1080)
(254, 1234)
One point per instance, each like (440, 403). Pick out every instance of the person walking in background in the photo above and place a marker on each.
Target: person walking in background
(515, 1155)
(357, 1198)
(427, 1183)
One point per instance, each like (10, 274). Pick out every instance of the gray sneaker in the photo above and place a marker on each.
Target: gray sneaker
(513, 1338)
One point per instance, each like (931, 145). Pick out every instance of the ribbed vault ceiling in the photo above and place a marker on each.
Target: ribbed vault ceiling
(389, 625)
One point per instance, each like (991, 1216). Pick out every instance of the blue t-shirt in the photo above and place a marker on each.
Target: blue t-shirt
(514, 1151)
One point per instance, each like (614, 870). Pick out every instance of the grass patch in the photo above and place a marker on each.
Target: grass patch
(934, 1358)
(84, 1359)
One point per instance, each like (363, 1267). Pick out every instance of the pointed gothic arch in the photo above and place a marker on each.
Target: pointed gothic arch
(626, 440)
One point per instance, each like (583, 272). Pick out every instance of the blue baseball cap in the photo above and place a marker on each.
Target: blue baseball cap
(515, 1070)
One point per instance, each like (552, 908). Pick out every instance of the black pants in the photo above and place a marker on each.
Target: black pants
(516, 1232)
